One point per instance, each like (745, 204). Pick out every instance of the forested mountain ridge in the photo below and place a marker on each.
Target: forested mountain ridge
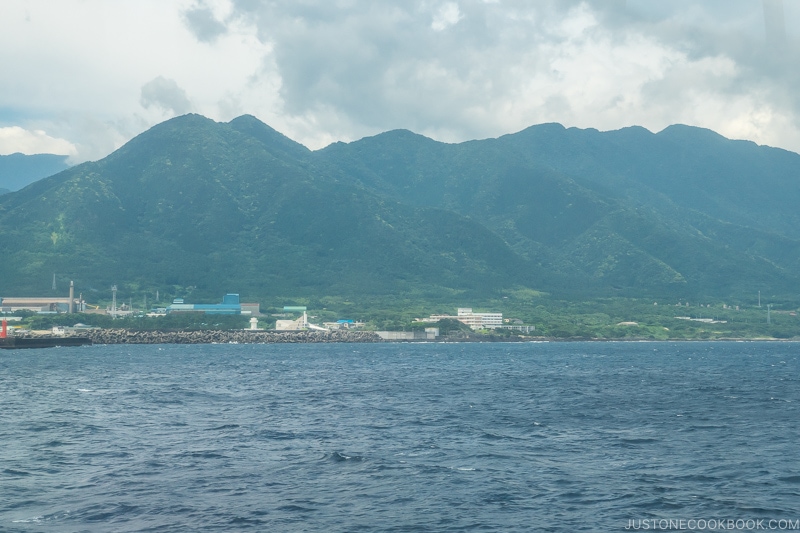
(194, 203)
(586, 202)
(239, 207)
(19, 170)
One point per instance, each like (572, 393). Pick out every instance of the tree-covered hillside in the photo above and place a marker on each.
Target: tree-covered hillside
(193, 206)
(236, 207)
(640, 213)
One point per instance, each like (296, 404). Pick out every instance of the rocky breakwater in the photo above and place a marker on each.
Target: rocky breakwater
(124, 336)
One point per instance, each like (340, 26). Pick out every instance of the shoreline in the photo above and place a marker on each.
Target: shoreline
(124, 336)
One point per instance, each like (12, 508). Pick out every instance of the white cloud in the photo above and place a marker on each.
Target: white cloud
(447, 15)
(97, 72)
(15, 139)
(356, 69)
(78, 69)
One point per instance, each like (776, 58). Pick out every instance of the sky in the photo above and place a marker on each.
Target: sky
(82, 77)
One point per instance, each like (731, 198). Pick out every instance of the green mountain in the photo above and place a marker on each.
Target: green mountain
(193, 205)
(683, 212)
(19, 170)
(237, 207)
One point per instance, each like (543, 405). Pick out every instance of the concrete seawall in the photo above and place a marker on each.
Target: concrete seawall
(123, 336)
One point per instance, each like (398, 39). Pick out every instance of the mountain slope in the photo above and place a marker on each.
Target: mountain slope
(586, 202)
(734, 181)
(223, 207)
(192, 204)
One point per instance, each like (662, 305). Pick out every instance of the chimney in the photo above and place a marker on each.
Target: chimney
(71, 297)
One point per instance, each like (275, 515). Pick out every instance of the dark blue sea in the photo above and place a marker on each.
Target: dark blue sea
(400, 437)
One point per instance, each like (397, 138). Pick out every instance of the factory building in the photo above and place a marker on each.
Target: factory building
(230, 306)
(251, 309)
(37, 305)
(44, 305)
(298, 324)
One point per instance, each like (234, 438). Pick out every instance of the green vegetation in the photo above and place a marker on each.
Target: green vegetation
(601, 319)
(573, 231)
(622, 319)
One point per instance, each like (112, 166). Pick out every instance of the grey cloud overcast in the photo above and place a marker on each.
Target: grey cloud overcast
(165, 94)
(84, 76)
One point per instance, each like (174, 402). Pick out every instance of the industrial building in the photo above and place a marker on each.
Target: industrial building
(298, 324)
(37, 305)
(251, 309)
(10, 304)
(230, 306)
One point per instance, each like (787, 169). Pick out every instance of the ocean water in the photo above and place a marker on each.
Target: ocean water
(399, 437)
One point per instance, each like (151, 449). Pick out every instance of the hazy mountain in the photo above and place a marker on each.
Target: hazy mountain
(19, 170)
(240, 207)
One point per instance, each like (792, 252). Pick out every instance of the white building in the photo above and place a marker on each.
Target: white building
(293, 325)
(473, 320)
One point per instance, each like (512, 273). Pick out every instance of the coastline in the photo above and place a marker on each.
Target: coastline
(124, 336)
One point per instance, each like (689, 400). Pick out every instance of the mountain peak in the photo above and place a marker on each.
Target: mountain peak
(187, 119)
(682, 132)
(398, 136)
(268, 136)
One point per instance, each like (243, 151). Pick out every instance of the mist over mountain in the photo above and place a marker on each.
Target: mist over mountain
(237, 206)
(18, 170)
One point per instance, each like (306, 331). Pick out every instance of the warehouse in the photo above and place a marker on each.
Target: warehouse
(230, 306)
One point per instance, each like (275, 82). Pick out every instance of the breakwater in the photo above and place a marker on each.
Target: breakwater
(124, 336)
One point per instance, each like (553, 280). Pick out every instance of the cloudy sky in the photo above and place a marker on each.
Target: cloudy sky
(81, 77)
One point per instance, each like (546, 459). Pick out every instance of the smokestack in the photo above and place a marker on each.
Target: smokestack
(71, 297)
(3, 332)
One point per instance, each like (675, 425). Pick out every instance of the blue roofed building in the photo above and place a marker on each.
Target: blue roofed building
(230, 306)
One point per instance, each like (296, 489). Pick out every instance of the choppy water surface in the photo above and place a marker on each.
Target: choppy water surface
(423, 437)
